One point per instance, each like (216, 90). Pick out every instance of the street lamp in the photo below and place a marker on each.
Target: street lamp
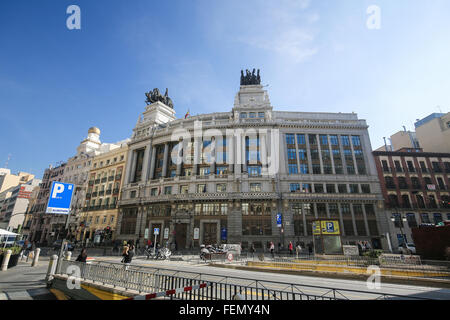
(400, 218)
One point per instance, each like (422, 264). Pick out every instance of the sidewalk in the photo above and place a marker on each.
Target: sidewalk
(24, 282)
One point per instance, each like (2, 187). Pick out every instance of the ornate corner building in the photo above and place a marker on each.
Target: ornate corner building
(224, 177)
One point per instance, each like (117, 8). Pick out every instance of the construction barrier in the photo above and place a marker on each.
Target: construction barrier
(168, 292)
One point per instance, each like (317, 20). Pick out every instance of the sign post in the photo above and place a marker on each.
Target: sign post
(59, 203)
(155, 232)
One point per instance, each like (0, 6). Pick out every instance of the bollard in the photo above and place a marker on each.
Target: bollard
(68, 255)
(51, 267)
(36, 257)
(6, 260)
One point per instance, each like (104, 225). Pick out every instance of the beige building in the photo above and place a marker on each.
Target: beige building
(99, 219)
(8, 180)
(404, 139)
(433, 133)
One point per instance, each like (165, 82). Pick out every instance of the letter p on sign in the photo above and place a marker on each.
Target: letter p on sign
(59, 188)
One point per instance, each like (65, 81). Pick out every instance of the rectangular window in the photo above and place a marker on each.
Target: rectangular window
(331, 188)
(323, 140)
(290, 139)
(365, 188)
(153, 191)
(301, 139)
(255, 187)
(254, 171)
(184, 189)
(425, 218)
(293, 169)
(304, 168)
(312, 139)
(342, 188)
(345, 141)
(221, 187)
(291, 154)
(260, 114)
(294, 187)
(306, 188)
(316, 168)
(318, 188)
(356, 141)
(302, 154)
(334, 140)
(167, 190)
(201, 188)
(354, 188)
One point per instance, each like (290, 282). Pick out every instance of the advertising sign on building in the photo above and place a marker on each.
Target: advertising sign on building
(223, 234)
(60, 198)
(196, 233)
(166, 233)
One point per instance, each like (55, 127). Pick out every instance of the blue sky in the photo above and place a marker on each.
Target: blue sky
(314, 55)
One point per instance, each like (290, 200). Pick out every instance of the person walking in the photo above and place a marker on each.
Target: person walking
(272, 248)
(82, 256)
(124, 251)
(130, 254)
(291, 248)
(253, 250)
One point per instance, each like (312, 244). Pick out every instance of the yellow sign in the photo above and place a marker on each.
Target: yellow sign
(316, 227)
(330, 227)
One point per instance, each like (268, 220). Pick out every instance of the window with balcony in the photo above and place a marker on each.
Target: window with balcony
(331, 188)
(318, 188)
(254, 171)
(365, 188)
(255, 187)
(411, 218)
(168, 190)
(342, 188)
(294, 187)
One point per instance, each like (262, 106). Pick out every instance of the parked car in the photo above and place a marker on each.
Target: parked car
(57, 245)
(407, 248)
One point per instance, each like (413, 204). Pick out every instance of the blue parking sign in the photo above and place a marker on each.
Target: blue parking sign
(279, 223)
(60, 198)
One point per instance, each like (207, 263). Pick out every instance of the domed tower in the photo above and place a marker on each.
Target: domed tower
(92, 142)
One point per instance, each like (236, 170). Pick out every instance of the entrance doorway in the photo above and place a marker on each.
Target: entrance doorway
(210, 233)
(180, 235)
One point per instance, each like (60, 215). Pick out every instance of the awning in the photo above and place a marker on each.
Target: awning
(4, 232)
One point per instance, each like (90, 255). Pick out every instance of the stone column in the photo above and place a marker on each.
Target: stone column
(237, 149)
(230, 148)
(152, 164)
(263, 153)
(344, 161)
(333, 169)
(355, 230)
(244, 154)
(341, 220)
(366, 223)
(353, 155)
(212, 166)
(197, 152)
(145, 163)
(319, 148)
(133, 166)
(308, 153)
(128, 173)
(179, 157)
(165, 160)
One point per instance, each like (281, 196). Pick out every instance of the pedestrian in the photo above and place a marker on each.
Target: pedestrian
(253, 250)
(130, 255)
(124, 251)
(279, 247)
(310, 248)
(82, 256)
(291, 248)
(272, 248)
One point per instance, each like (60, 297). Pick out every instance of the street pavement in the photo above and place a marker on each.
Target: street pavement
(24, 282)
(302, 281)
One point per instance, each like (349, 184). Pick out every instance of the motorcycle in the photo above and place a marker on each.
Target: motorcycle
(161, 254)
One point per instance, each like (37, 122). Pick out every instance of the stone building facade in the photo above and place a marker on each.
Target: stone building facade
(223, 177)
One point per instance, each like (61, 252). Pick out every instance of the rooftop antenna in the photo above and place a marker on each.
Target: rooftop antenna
(7, 161)
(439, 108)
(404, 128)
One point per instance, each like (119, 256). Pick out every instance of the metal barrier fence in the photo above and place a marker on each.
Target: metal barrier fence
(148, 280)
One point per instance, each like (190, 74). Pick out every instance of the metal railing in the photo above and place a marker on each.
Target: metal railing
(145, 279)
